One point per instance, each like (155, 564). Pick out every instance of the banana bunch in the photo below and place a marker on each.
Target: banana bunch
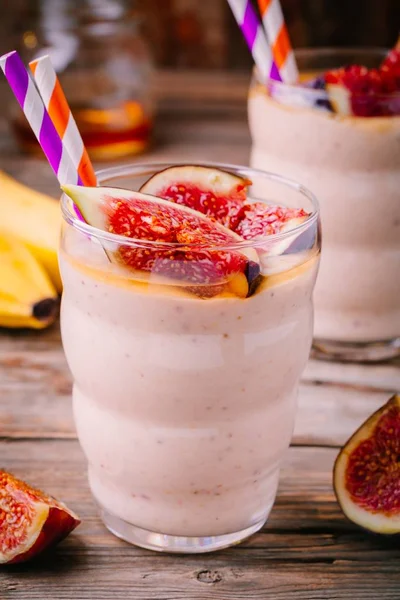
(29, 275)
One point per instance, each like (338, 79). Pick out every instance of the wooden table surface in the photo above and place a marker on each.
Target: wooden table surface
(307, 550)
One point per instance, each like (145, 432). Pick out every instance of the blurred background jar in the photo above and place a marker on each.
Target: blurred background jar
(105, 68)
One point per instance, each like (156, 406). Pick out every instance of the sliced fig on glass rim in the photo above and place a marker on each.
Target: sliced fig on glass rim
(261, 220)
(366, 474)
(362, 92)
(202, 261)
(30, 521)
(213, 192)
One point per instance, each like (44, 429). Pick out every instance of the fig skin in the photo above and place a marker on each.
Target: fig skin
(374, 520)
(38, 520)
(210, 179)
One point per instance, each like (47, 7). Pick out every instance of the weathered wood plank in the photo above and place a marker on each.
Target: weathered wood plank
(383, 376)
(306, 551)
(76, 575)
(328, 413)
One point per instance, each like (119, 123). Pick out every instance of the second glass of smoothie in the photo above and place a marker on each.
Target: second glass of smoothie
(352, 164)
(185, 398)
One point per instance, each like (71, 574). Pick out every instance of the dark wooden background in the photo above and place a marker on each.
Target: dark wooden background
(203, 33)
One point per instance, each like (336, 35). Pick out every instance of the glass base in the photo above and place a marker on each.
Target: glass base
(356, 352)
(173, 543)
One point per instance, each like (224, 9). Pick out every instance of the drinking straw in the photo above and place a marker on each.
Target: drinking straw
(38, 118)
(278, 38)
(255, 37)
(60, 113)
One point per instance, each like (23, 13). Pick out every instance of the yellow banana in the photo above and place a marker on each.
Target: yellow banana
(28, 298)
(34, 219)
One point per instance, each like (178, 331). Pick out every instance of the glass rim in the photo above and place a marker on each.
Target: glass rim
(327, 51)
(130, 169)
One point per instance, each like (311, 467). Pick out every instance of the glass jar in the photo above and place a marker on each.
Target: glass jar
(352, 164)
(105, 69)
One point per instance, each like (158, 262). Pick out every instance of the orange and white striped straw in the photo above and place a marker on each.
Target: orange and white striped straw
(278, 38)
(59, 111)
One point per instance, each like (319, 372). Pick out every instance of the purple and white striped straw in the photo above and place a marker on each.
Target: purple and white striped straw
(255, 37)
(38, 118)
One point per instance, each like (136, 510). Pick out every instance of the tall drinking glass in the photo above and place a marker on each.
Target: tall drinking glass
(184, 401)
(352, 164)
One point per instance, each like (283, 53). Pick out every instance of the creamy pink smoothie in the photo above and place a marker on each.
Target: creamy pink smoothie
(186, 362)
(352, 164)
(184, 407)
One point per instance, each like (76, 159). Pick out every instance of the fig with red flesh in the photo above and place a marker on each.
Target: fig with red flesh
(196, 249)
(213, 192)
(261, 220)
(367, 472)
(390, 70)
(223, 197)
(30, 521)
(357, 90)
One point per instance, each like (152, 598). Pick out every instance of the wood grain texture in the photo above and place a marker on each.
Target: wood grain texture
(307, 550)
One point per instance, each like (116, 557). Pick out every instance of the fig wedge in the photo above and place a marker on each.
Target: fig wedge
(194, 250)
(30, 520)
(366, 474)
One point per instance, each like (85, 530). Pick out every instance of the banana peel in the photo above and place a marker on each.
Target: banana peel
(28, 298)
(34, 219)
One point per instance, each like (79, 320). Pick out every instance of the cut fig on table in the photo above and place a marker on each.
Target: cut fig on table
(366, 474)
(196, 252)
(213, 192)
(30, 521)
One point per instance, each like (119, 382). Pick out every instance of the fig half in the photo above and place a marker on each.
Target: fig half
(366, 474)
(194, 249)
(30, 521)
(213, 192)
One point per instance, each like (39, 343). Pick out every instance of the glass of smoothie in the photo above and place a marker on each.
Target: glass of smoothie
(187, 321)
(339, 135)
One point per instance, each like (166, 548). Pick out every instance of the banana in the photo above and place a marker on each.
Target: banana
(28, 298)
(34, 219)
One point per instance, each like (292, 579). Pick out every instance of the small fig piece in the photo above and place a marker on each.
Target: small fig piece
(366, 474)
(30, 521)
(261, 220)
